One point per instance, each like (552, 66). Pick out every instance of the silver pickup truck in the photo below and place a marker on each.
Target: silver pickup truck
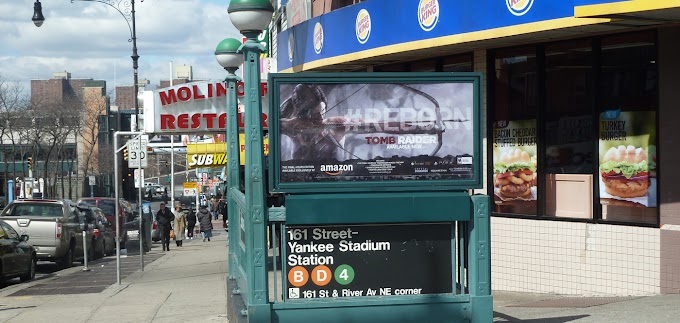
(55, 228)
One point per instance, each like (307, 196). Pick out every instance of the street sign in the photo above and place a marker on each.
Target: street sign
(138, 153)
(92, 181)
(136, 176)
(190, 188)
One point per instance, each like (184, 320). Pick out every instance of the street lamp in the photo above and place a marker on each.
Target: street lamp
(126, 8)
(228, 56)
(250, 17)
(38, 17)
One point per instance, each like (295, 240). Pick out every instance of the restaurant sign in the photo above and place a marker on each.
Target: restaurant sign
(197, 107)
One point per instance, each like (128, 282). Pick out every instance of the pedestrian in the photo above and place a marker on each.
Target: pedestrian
(165, 218)
(191, 223)
(205, 221)
(179, 225)
(165, 195)
(214, 208)
(224, 210)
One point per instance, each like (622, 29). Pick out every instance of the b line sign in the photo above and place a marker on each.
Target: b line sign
(137, 153)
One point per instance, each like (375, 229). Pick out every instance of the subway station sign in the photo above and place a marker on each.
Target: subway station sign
(368, 260)
(197, 107)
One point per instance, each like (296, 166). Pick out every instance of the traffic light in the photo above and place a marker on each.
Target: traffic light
(125, 154)
(30, 163)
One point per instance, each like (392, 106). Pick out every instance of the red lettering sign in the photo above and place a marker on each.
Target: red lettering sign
(197, 120)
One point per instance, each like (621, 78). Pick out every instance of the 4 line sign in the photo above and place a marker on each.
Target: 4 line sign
(137, 152)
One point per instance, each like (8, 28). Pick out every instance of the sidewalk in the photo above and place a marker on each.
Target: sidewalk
(550, 308)
(186, 284)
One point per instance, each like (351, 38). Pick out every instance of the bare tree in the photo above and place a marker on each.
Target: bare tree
(55, 127)
(88, 131)
(12, 99)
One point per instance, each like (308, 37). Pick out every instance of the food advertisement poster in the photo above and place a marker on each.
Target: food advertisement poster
(514, 160)
(628, 158)
(345, 132)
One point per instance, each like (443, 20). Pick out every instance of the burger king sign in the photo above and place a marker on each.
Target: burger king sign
(428, 14)
(519, 7)
(363, 26)
(318, 38)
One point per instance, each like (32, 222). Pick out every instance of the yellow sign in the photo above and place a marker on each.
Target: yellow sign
(215, 155)
(190, 185)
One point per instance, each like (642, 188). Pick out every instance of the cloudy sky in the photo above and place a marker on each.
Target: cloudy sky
(90, 40)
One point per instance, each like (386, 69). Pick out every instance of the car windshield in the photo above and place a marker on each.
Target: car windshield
(107, 207)
(36, 209)
(88, 202)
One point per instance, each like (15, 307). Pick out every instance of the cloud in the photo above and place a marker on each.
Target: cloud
(90, 40)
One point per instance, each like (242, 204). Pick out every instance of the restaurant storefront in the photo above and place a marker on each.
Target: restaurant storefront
(579, 109)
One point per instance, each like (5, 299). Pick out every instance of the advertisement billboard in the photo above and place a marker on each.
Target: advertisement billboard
(375, 129)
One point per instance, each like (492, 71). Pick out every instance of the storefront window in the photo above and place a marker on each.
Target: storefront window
(514, 132)
(569, 154)
(453, 63)
(596, 111)
(457, 63)
(627, 115)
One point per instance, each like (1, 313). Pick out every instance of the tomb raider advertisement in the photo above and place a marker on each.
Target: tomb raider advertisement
(367, 132)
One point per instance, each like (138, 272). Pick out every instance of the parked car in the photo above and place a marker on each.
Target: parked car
(19, 257)
(108, 206)
(55, 225)
(104, 239)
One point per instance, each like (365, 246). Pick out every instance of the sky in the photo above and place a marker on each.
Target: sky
(90, 40)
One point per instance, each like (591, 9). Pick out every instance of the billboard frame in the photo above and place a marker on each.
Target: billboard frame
(278, 79)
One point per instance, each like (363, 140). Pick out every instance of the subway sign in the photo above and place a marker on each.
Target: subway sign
(215, 155)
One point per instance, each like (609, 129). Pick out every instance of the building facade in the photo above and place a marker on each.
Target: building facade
(581, 89)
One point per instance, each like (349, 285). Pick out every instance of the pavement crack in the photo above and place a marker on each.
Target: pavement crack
(157, 308)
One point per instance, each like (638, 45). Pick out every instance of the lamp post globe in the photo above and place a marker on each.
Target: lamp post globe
(250, 17)
(227, 54)
(38, 17)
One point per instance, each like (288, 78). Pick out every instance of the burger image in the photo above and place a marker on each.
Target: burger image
(514, 173)
(625, 172)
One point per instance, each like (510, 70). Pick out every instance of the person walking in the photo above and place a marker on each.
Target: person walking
(191, 223)
(165, 218)
(205, 221)
(224, 209)
(214, 208)
(179, 225)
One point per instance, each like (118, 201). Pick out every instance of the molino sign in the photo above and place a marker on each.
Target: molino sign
(198, 107)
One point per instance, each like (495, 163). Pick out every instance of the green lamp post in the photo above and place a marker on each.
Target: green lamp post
(250, 17)
(230, 59)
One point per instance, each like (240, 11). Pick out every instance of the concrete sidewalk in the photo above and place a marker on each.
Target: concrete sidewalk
(549, 308)
(186, 284)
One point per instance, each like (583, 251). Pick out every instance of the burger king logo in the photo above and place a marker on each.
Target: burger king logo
(291, 46)
(519, 7)
(428, 14)
(363, 26)
(318, 38)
